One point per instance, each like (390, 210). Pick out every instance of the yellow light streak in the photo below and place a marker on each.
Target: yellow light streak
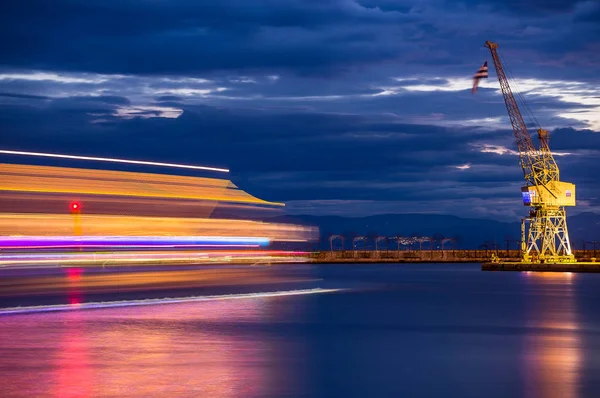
(45, 179)
(28, 224)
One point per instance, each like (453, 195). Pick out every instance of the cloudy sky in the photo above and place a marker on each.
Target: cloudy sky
(349, 107)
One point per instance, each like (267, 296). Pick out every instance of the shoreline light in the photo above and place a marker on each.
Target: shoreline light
(113, 160)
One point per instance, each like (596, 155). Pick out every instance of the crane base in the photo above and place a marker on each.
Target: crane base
(545, 267)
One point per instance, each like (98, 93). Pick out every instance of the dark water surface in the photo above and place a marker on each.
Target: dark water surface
(421, 330)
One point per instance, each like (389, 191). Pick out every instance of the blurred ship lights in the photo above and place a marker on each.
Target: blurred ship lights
(57, 215)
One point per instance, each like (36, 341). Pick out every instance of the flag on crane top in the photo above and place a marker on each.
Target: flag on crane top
(482, 73)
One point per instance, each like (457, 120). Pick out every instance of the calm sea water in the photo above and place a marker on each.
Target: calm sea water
(423, 330)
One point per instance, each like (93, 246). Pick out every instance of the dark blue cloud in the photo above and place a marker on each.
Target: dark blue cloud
(529, 7)
(169, 98)
(190, 36)
(321, 37)
(24, 96)
(279, 158)
(348, 103)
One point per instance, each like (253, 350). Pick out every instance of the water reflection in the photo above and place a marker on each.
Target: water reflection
(553, 354)
(73, 373)
(74, 294)
(210, 349)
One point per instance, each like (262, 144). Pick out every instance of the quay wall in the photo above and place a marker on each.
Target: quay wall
(428, 256)
(580, 266)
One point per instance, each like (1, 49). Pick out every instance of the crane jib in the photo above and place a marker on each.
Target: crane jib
(539, 166)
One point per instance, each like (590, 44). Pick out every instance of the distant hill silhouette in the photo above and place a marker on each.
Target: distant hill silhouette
(469, 233)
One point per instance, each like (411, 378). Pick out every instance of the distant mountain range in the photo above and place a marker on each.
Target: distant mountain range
(468, 233)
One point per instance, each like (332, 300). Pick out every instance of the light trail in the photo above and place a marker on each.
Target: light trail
(131, 303)
(12, 241)
(125, 246)
(61, 180)
(28, 224)
(113, 160)
(138, 253)
(168, 257)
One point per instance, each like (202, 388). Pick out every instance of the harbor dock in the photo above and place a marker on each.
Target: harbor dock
(507, 259)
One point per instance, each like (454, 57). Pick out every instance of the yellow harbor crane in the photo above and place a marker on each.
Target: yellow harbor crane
(546, 238)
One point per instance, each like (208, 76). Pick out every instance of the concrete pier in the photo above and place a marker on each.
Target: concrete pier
(412, 256)
(510, 257)
(546, 267)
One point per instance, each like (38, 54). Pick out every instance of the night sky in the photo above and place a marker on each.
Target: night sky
(348, 107)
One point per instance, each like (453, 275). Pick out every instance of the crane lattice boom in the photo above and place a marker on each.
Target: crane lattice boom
(539, 166)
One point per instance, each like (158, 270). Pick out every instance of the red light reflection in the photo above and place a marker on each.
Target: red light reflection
(74, 377)
(74, 274)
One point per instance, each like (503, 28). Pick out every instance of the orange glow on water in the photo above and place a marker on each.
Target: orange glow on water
(549, 275)
(553, 356)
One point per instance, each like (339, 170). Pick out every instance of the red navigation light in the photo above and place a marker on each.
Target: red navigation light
(75, 206)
